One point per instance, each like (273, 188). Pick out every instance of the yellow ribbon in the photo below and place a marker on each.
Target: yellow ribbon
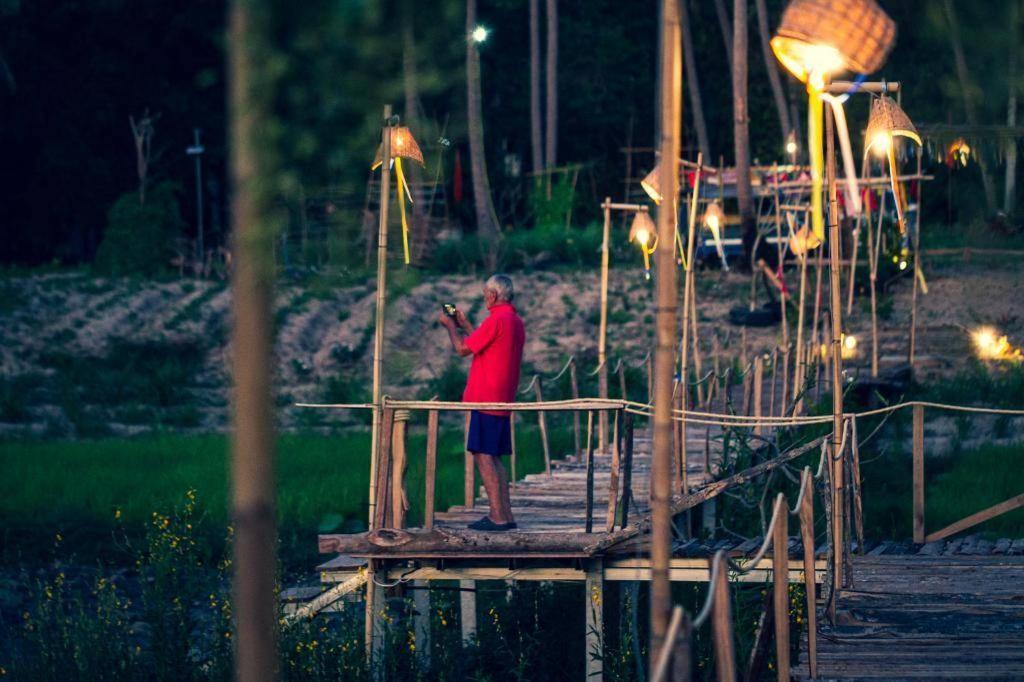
(403, 191)
(814, 144)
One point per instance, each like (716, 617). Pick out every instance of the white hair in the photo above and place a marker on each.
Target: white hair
(501, 285)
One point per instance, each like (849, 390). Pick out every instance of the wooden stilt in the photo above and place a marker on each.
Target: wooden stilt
(543, 428)
(469, 472)
(467, 611)
(594, 586)
(421, 622)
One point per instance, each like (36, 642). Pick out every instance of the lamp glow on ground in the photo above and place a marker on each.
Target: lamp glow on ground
(990, 345)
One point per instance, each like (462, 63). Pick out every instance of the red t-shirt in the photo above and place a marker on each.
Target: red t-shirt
(497, 346)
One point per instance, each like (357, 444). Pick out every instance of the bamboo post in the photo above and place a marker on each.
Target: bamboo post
(589, 508)
(758, 382)
(378, 332)
(602, 337)
(663, 367)
(807, 535)
(780, 585)
(467, 611)
(816, 336)
(468, 470)
(873, 252)
(543, 427)
(918, 445)
(785, 381)
(574, 385)
(721, 623)
(399, 463)
(858, 502)
(512, 434)
(917, 270)
(613, 481)
(251, 98)
(798, 365)
(781, 256)
(594, 591)
(747, 377)
(775, 382)
(680, 404)
(384, 441)
(421, 622)
(688, 274)
(627, 468)
(695, 340)
(837, 362)
(431, 470)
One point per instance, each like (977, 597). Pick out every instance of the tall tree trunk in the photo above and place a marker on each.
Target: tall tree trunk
(1011, 113)
(536, 133)
(771, 65)
(252, 442)
(967, 88)
(741, 125)
(726, 28)
(692, 83)
(486, 221)
(418, 223)
(551, 126)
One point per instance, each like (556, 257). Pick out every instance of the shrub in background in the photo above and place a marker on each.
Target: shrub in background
(140, 238)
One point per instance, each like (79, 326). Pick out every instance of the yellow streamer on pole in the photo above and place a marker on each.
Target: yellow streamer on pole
(815, 142)
(403, 190)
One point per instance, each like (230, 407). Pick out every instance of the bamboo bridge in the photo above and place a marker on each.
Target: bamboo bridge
(939, 606)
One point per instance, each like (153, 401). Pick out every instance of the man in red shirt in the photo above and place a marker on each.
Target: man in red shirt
(497, 350)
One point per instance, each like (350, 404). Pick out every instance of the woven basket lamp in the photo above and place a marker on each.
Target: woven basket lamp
(888, 121)
(403, 145)
(802, 241)
(829, 36)
(714, 216)
(644, 232)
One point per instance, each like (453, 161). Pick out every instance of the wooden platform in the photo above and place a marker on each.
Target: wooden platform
(928, 615)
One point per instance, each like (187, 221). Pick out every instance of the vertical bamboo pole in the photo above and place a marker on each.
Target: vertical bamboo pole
(512, 433)
(874, 247)
(721, 623)
(467, 611)
(918, 445)
(627, 469)
(468, 470)
(378, 332)
(543, 428)
(807, 536)
(667, 298)
(602, 336)
(589, 503)
(431, 470)
(780, 251)
(780, 586)
(252, 444)
(758, 388)
(798, 351)
(785, 381)
(917, 270)
(775, 382)
(837, 362)
(613, 479)
(575, 387)
(399, 463)
(688, 283)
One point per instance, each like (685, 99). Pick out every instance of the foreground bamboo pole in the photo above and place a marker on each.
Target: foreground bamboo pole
(602, 358)
(838, 505)
(252, 444)
(664, 353)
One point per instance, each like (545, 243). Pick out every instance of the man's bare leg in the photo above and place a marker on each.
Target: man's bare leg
(495, 481)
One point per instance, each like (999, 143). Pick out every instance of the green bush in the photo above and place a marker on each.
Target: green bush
(139, 239)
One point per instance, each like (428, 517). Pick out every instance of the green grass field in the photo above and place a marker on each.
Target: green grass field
(87, 489)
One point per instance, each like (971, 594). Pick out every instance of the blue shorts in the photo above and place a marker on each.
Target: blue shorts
(489, 434)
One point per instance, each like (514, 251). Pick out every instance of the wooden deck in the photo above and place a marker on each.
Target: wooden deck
(952, 611)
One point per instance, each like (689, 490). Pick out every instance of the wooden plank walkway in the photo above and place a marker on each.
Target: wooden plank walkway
(556, 503)
(943, 613)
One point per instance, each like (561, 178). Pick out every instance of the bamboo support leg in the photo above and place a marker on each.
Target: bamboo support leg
(807, 536)
(467, 611)
(780, 585)
(594, 586)
(469, 472)
(590, 473)
(613, 482)
(431, 470)
(421, 622)
(399, 463)
(918, 445)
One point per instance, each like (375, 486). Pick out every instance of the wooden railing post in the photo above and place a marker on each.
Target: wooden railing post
(613, 481)
(590, 473)
(574, 384)
(399, 462)
(543, 427)
(780, 584)
(918, 445)
(431, 469)
(807, 535)
(469, 471)
(386, 426)
(512, 433)
(627, 469)
(721, 623)
(758, 386)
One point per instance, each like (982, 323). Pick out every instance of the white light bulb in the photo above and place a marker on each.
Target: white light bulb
(479, 34)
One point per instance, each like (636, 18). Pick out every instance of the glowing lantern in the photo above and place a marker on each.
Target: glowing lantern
(959, 152)
(791, 146)
(714, 221)
(818, 38)
(652, 184)
(479, 34)
(644, 232)
(989, 345)
(887, 122)
(802, 241)
(403, 146)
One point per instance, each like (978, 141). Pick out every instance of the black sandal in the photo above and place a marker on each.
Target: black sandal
(486, 524)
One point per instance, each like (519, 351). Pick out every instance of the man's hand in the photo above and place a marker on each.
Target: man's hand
(446, 321)
(460, 319)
